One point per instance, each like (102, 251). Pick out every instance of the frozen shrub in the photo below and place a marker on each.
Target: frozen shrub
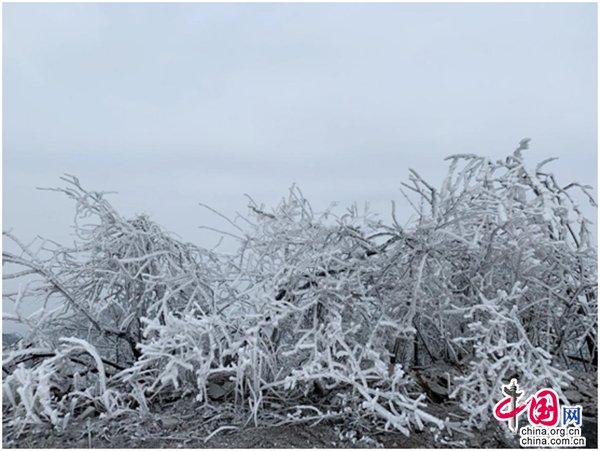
(118, 272)
(317, 315)
(510, 277)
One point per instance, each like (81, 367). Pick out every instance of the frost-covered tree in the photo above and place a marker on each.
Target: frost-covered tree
(119, 273)
(507, 276)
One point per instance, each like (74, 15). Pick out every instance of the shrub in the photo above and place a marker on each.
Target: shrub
(317, 315)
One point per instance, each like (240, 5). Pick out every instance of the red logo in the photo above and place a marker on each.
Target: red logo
(543, 407)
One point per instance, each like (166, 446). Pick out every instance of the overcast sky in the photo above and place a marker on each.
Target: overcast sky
(171, 105)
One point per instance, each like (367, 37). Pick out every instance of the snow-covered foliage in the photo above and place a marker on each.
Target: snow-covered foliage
(317, 315)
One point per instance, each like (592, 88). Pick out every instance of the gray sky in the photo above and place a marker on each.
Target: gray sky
(171, 105)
